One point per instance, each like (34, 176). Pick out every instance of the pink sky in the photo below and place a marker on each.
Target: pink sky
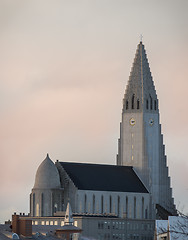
(64, 68)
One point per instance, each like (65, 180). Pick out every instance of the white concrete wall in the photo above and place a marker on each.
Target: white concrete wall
(106, 203)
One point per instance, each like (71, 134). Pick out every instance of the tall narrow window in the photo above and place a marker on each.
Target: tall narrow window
(146, 213)
(142, 207)
(127, 104)
(93, 203)
(118, 206)
(155, 104)
(85, 203)
(33, 204)
(55, 207)
(134, 207)
(151, 102)
(110, 204)
(102, 204)
(127, 206)
(147, 103)
(42, 205)
(138, 104)
(133, 101)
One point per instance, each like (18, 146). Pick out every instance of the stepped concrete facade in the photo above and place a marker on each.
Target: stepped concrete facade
(141, 142)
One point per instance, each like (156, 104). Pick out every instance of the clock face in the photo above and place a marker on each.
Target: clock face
(132, 122)
(151, 122)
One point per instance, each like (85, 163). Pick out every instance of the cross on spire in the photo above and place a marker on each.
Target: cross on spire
(141, 37)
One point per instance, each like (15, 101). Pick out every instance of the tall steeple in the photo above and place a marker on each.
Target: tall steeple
(141, 142)
(140, 93)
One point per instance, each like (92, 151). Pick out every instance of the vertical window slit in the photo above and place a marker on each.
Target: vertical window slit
(133, 101)
(147, 104)
(127, 104)
(138, 104)
(155, 104)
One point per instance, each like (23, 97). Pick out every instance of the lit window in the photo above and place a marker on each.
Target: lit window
(51, 223)
(55, 223)
(62, 223)
(43, 223)
(75, 223)
(36, 222)
(47, 222)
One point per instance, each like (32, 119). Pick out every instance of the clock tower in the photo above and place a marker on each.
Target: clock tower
(141, 142)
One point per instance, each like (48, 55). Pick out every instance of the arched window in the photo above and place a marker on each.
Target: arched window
(93, 203)
(142, 207)
(118, 206)
(102, 204)
(85, 203)
(147, 104)
(151, 102)
(155, 105)
(127, 104)
(110, 204)
(138, 103)
(127, 206)
(133, 101)
(134, 207)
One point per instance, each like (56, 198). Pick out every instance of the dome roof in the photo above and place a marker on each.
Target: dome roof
(47, 175)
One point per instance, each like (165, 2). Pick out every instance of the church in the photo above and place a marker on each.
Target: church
(137, 187)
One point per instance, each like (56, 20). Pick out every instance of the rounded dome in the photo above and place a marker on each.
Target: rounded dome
(47, 175)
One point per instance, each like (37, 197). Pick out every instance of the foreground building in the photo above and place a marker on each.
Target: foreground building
(136, 189)
(176, 227)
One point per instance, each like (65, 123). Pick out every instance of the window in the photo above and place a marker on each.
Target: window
(110, 204)
(155, 105)
(34, 204)
(151, 102)
(134, 207)
(147, 104)
(102, 204)
(146, 213)
(133, 101)
(42, 205)
(85, 203)
(138, 104)
(118, 206)
(55, 207)
(62, 223)
(127, 206)
(142, 207)
(93, 203)
(127, 104)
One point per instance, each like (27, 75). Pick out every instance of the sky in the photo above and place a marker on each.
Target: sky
(64, 66)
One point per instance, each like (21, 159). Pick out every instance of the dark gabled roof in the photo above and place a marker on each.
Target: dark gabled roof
(100, 177)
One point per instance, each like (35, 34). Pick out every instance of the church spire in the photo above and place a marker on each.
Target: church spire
(140, 93)
(68, 215)
(141, 142)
